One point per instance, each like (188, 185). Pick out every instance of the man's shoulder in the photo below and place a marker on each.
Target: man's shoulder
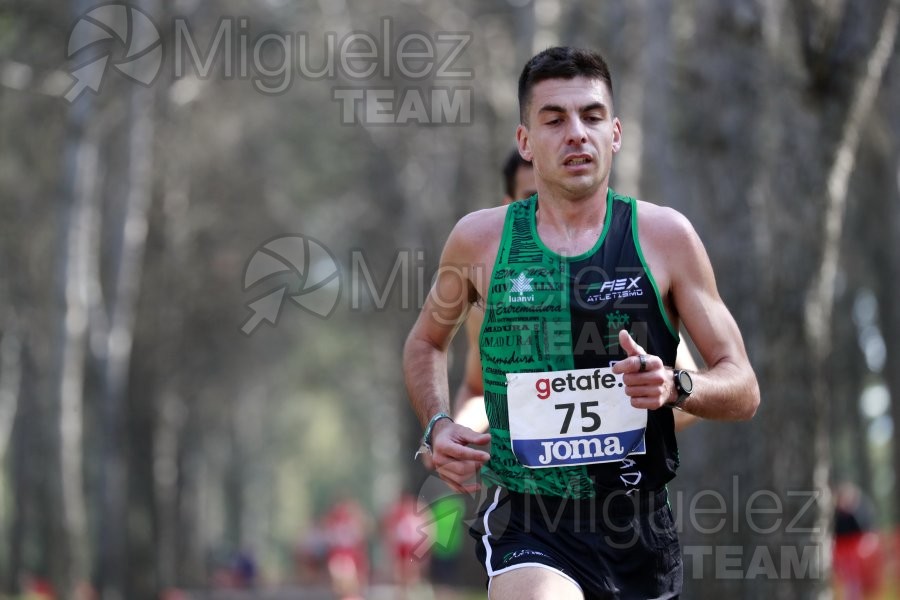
(481, 224)
(668, 239)
(486, 216)
(475, 236)
(662, 223)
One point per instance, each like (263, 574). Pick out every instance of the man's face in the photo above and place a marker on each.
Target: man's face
(571, 135)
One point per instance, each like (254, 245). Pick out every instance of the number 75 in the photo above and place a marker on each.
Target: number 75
(586, 415)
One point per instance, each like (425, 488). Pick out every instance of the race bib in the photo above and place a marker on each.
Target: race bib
(567, 418)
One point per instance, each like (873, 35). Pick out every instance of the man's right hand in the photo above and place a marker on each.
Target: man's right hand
(452, 458)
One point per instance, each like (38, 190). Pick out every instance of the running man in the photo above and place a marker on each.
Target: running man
(584, 290)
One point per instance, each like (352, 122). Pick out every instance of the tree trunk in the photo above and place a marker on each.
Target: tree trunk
(885, 228)
(119, 341)
(77, 258)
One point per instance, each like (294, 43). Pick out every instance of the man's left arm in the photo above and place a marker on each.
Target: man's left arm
(727, 389)
(684, 359)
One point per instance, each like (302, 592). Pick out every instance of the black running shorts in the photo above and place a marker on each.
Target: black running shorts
(616, 547)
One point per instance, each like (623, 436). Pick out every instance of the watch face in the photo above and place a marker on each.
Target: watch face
(685, 382)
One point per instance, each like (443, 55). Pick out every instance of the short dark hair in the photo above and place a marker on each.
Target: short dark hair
(512, 165)
(560, 62)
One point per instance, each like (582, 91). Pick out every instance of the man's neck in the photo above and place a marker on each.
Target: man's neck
(570, 215)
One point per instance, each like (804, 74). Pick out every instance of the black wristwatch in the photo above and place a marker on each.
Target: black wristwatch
(684, 385)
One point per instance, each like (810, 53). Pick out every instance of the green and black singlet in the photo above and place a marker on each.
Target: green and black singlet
(544, 313)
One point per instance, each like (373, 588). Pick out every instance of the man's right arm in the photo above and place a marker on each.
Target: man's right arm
(425, 361)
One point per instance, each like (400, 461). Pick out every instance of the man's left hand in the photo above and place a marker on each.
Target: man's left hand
(648, 382)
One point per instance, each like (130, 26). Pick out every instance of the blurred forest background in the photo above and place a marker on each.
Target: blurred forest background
(142, 431)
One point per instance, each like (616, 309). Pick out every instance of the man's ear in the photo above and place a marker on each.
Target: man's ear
(617, 135)
(522, 142)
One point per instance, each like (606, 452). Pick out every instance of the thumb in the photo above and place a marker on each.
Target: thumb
(627, 343)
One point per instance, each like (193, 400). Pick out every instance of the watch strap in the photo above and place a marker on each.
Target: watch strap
(682, 393)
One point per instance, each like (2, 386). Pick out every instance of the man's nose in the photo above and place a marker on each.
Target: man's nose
(575, 133)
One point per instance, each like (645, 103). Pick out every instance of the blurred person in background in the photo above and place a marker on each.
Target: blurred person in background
(858, 552)
(311, 556)
(346, 528)
(468, 407)
(407, 533)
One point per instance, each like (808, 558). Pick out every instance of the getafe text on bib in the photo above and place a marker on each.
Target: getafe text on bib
(575, 417)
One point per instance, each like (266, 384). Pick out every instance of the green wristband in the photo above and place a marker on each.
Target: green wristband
(426, 438)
